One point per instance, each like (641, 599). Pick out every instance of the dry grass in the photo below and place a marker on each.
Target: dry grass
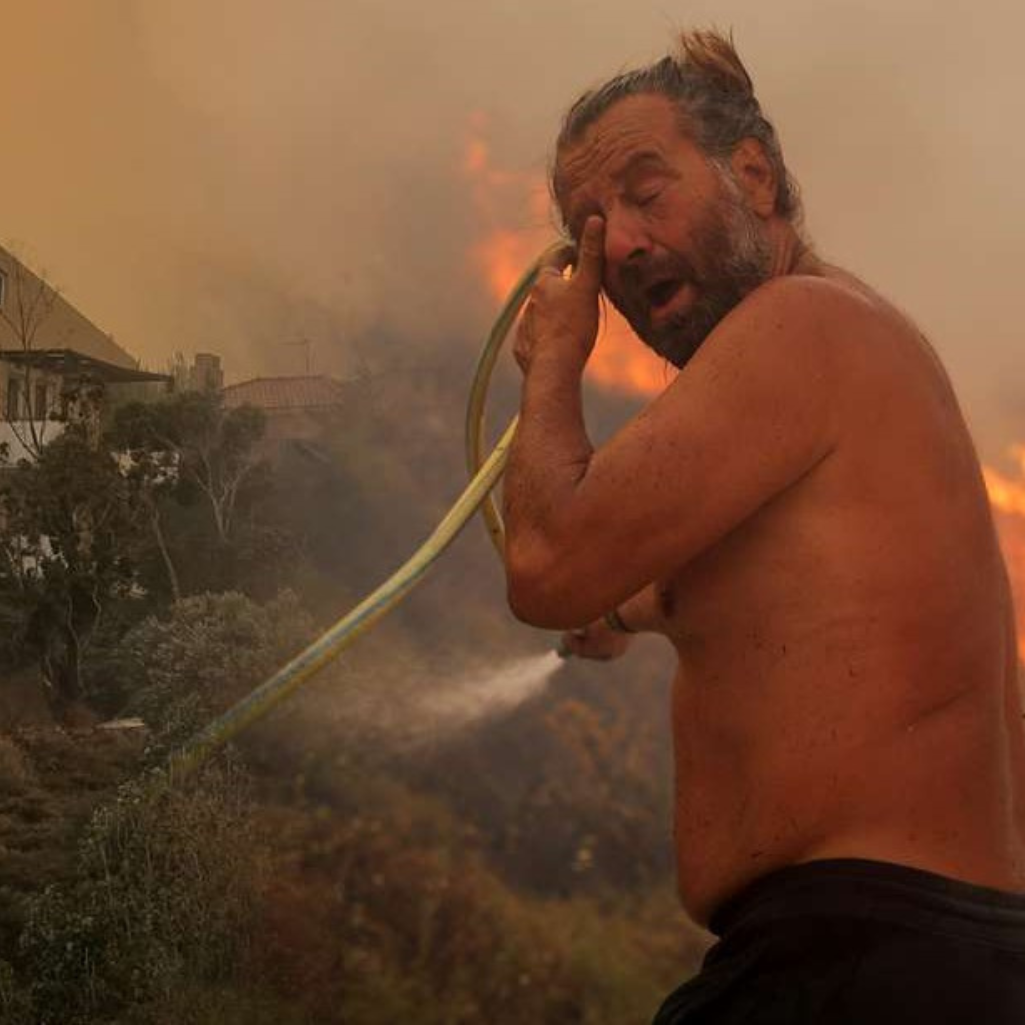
(16, 773)
(50, 782)
(23, 700)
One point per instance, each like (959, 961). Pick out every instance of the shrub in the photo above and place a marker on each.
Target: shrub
(389, 915)
(163, 899)
(15, 1007)
(208, 652)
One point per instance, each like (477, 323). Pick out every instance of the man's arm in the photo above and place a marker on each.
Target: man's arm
(752, 413)
(603, 641)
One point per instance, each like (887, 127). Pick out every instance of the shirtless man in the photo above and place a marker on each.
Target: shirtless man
(801, 514)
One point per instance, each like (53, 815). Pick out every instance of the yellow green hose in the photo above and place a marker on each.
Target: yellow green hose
(479, 391)
(338, 637)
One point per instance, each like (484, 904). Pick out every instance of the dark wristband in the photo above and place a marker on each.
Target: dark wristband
(614, 621)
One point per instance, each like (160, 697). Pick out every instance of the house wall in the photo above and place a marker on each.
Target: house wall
(14, 435)
(15, 424)
(25, 402)
(30, 306)
(118, 393)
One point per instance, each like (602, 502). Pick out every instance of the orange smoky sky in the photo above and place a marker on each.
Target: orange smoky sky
(238, 175)
(233, 176)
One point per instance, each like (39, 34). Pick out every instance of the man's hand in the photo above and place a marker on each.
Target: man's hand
(561, 317)
(596, 641)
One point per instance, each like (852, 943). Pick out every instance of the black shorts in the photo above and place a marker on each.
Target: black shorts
(852, 942)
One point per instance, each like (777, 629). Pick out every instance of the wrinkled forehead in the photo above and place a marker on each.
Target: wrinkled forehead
(647, 124)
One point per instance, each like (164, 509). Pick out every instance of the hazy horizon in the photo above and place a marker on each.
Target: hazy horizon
(235, 177)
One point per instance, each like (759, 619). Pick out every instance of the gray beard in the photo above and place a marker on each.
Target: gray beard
(736, 258)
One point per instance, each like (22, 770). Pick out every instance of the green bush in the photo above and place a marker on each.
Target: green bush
(163, 899)
(205, 654)
(15, 1006)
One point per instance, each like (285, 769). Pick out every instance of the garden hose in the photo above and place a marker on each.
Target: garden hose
(484, 475)
(479, 392)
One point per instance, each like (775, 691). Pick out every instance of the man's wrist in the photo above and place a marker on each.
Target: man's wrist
(614, 621)
(559, 361)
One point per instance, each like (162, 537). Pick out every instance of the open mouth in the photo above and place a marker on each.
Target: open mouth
(662, 292)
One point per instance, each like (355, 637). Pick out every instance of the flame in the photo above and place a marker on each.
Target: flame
(1007, 496)
(620, 361)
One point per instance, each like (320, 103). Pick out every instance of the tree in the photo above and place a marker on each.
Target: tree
(188, 452)
(68, 550)
(152, 471)
(211, 449)
(204, 653)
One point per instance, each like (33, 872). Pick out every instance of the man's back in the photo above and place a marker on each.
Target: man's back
(847, 683)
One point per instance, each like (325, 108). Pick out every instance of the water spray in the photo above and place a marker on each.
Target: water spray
(484, 475)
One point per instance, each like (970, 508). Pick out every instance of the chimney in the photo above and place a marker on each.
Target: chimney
(206, 374)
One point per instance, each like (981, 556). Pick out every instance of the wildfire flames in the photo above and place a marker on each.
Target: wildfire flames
(620, 361)
(1007, 497)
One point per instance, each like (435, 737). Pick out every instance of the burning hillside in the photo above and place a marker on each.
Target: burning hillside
(502, 254)
(1007, 497)
(620, 361)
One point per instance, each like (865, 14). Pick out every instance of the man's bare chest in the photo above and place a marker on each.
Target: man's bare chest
(770, 574)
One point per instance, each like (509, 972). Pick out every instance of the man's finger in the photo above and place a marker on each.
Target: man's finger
(556, 259)
(591, 259)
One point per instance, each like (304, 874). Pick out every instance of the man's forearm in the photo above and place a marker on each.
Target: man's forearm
(551, 451)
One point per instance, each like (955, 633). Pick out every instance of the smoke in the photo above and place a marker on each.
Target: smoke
(234, 176)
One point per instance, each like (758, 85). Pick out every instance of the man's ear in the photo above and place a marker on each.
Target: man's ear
(755, 176)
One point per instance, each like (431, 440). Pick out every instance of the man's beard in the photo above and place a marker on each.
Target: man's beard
(732, 257)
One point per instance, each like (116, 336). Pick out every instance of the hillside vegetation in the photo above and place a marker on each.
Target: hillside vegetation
(362, 856)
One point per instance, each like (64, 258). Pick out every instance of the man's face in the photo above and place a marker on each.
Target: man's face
(682, 246)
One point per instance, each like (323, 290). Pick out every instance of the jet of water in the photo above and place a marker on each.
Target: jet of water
(478, 696)
(424, 704)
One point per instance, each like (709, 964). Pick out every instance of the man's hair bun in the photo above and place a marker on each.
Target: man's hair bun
(713, 56)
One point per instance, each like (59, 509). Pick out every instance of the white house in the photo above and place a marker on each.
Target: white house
(55, 363)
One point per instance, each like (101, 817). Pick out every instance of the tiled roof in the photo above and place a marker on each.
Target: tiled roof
(286, 393)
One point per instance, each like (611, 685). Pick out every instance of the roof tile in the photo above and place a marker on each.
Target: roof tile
(316, 392)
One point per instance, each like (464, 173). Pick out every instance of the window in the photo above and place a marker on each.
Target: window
(14, 398)
(40, 402)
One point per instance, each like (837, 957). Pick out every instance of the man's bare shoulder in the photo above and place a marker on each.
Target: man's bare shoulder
(818, 325)
(847, 302)
(809, 303)
(792, 331)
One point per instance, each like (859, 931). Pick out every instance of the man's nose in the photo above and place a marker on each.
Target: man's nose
(626, 239)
